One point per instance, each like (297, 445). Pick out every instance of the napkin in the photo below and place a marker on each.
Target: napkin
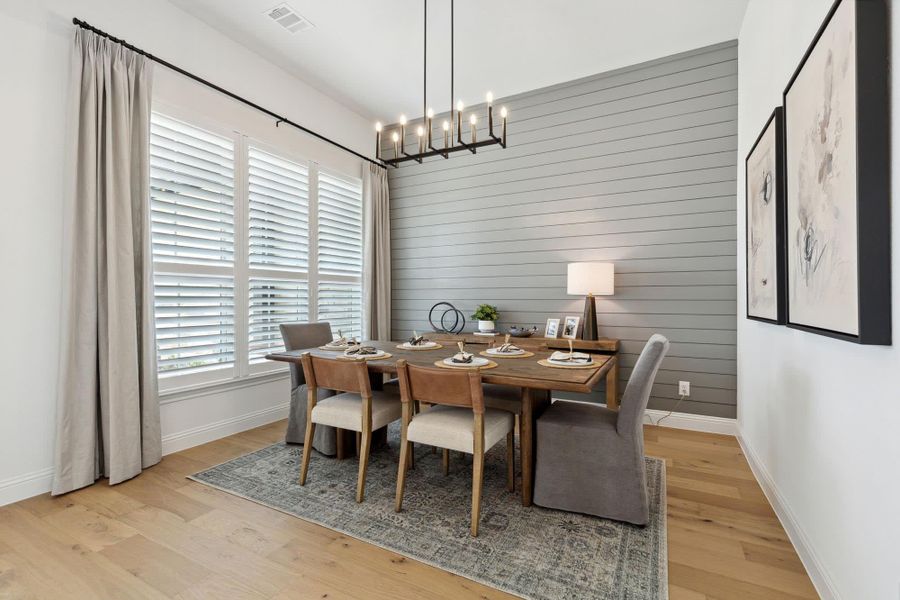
(416, 340)
(462, 357)
(507, 348)
(560, 356)
(361, 351)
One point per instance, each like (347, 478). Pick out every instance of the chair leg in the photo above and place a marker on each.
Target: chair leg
(401, 474)
(477, 475)
(363, 465)
(411, 450)
(357, 443)
(307, 449)
(445, 461)
(339, 440)
(510, 462)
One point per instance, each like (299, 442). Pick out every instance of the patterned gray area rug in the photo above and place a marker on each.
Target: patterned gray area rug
(535, 553)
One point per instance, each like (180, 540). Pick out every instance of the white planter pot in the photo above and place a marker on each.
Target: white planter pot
(485, 325)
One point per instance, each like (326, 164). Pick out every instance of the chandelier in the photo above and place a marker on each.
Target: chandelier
(452, 127)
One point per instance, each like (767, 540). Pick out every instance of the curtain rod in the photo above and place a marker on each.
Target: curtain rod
(167, 64)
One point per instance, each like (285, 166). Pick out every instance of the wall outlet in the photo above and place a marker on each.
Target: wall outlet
(684, 388)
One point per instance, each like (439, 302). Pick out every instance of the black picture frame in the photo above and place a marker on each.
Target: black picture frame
(776, 120)
(872, 105)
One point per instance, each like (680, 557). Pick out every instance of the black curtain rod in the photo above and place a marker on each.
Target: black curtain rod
(279, 118)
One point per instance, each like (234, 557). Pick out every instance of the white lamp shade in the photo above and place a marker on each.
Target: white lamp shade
(591, 278)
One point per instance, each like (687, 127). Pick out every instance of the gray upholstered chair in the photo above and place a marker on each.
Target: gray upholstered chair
(298, 336)
(591, 459)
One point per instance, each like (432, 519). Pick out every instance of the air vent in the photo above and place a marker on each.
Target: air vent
(288, 18)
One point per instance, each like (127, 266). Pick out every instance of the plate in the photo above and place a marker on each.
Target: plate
(568, 365)
(496, 352)
(426, 346)
(477, 361)
(378, 354)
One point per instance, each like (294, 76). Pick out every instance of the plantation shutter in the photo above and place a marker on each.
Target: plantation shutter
(192, 224)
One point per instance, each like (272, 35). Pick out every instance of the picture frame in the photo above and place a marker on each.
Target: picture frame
(765, 218)
(837, 179)
(570, 328)
(551, 330)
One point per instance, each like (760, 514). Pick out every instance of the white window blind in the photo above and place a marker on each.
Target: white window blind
(192, 222)
(340, 253)
(245, 239)
(279, 245)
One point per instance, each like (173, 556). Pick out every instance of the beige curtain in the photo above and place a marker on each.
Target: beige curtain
(377, 267)
(107, 405)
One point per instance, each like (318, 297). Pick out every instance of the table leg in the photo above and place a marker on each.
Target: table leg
(526, 445)
(612, 385)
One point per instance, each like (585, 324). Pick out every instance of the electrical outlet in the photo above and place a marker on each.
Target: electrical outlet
(684, 388)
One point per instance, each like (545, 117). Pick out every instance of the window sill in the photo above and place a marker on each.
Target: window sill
(214, 387)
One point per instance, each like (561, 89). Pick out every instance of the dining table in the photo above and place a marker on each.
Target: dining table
(535, 381)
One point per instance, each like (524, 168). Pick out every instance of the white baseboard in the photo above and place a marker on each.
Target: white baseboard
(188, 438)
(814, 567)
(25, 486)
(676, 420)
(704, 423)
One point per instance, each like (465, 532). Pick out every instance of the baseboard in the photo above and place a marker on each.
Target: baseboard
(811, 562)
(188, 438)
(704, 423)
(26, 486)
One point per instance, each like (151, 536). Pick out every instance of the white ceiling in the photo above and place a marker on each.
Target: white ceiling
(368, 54)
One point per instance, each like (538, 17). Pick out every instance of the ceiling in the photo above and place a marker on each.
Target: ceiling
(368, 54)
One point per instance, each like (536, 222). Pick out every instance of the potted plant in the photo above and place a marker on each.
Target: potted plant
(486, 316)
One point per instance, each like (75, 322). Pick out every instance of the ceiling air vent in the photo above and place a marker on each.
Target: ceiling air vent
(288, 18)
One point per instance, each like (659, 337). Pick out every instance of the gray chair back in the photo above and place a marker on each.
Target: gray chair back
(298, 336)
(637, 392)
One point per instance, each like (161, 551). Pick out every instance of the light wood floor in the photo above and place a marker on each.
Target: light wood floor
(163, 536)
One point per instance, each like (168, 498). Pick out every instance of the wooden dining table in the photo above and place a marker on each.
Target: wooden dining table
(534, 380)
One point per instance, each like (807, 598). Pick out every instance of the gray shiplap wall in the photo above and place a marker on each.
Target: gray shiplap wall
(636, 167)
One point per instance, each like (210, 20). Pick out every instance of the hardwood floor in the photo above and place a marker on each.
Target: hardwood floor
(163, 536)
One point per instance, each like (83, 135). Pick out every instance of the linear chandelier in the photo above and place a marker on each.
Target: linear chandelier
(425, 147)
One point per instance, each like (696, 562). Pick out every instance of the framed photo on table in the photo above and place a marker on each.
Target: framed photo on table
(570, 328)
(837, 179)
(764, 197)
(552, 328)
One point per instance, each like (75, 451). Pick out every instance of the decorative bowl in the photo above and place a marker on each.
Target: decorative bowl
(522, 332)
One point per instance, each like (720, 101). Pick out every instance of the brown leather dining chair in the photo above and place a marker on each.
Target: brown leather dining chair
(456, 420)
(355, 407)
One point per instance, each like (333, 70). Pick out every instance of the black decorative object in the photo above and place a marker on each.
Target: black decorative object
(459, 319)
(764, 185)
(837, 170)
(522, 332)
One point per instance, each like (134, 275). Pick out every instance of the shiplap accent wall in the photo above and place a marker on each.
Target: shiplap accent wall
(636, 167)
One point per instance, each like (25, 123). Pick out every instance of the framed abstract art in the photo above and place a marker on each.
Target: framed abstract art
(764, 179)
(837, 179)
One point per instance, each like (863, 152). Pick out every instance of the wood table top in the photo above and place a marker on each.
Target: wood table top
(518, 372)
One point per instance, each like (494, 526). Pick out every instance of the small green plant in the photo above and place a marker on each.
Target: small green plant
(486, 312)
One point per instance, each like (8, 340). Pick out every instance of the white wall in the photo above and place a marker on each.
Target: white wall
(34, 62)
(819, 417)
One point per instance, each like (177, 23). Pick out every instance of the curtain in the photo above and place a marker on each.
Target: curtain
(377, 264)
(107, 405)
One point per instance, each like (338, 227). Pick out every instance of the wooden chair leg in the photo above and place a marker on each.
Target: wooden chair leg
(307, 449)
(434, 449)
(412, 455)
(445, 460)
(363, 465)
(510, 462)
(358, 435)
(477, 475)
(401, 474)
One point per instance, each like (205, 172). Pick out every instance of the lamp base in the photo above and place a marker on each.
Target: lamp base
(589, 320)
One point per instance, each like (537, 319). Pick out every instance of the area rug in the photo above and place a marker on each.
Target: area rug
(534, 553)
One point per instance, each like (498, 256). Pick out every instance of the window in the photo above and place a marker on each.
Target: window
(245, 238)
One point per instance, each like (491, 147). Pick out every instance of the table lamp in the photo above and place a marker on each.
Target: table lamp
(590, 279)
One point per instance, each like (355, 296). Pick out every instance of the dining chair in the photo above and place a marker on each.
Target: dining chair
(456, 420)
(355, 407)
(590, 459)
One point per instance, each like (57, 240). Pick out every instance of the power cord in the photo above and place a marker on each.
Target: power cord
(668, 414)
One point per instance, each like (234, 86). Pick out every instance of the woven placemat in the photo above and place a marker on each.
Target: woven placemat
(525, 354)
(440, 363)
(547, 363)
(367, 357)
(417, 349)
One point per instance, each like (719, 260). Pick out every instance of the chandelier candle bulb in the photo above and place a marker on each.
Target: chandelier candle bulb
(490, 105)
(378, 140)
(396, 138)
(420, 131)
(473, 121)
(428, 125)
(459, 110)
(403, 133)
(446, 134)
(503, 113)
